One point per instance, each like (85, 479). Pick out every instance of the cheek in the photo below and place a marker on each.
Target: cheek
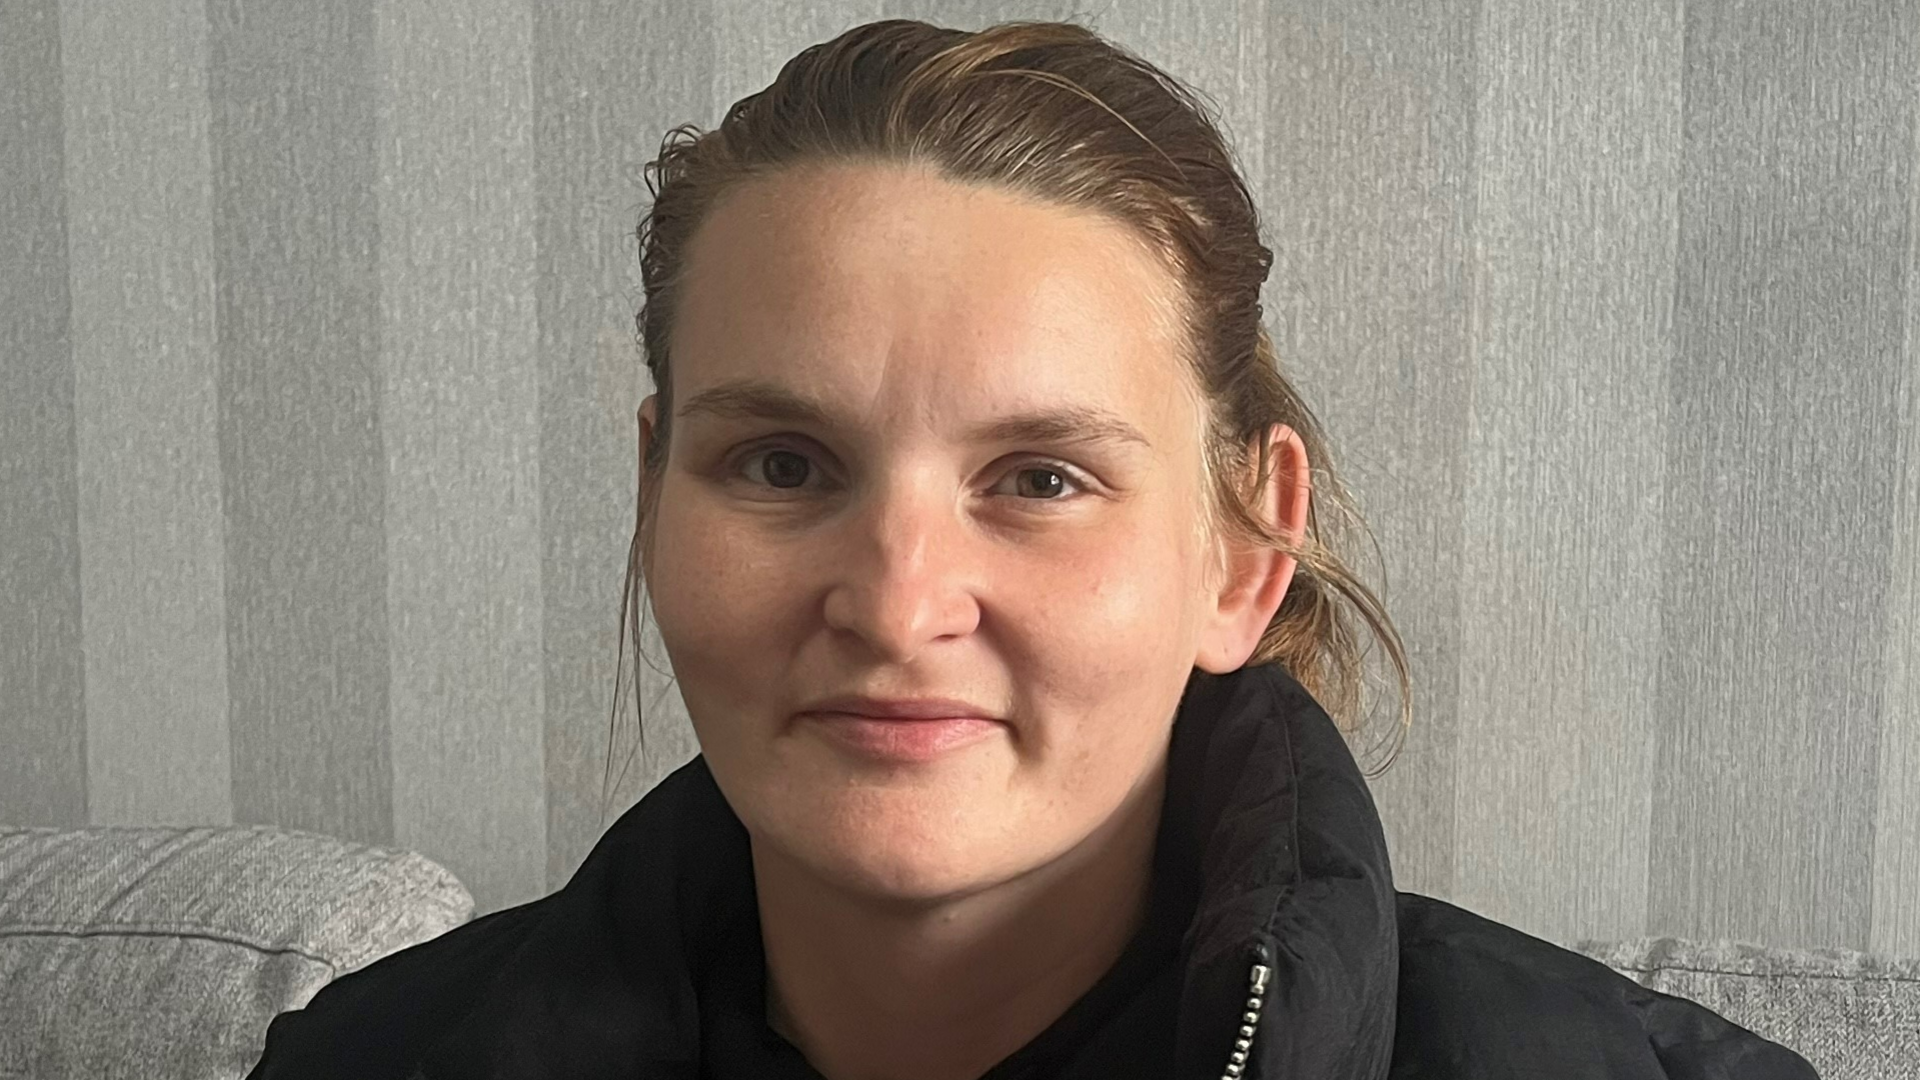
(712, 604)
(1107, 605)
(1088, 615)
(1108, 635)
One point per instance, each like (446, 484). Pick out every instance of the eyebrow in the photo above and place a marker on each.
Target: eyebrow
(747, 399)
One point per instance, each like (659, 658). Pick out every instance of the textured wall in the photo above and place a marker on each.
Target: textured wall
(317, 379)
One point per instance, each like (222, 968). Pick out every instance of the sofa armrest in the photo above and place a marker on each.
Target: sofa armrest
(1852, 1015)
(165, 951)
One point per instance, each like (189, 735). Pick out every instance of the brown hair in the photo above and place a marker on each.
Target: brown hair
(1053, 110)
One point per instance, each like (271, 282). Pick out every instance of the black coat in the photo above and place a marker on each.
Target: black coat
(1274, 937)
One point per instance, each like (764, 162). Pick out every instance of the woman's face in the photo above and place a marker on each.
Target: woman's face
(899, 548)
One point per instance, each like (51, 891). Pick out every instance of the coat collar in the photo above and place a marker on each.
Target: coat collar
(1281, 838)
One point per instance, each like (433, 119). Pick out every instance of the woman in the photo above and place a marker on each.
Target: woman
(980, 532)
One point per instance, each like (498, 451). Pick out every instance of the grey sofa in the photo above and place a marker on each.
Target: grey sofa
(163, 953)
(1849, 1013)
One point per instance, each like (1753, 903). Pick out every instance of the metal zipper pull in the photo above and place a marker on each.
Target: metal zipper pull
(1256, 997)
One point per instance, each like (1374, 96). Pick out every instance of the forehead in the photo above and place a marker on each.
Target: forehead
(845, 278)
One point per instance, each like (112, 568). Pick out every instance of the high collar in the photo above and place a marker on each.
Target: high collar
(1269, 814)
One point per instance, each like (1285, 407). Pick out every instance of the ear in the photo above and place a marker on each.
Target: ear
(646, 417)
(1257, 579)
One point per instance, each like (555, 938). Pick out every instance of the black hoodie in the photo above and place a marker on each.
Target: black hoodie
(1274, 948)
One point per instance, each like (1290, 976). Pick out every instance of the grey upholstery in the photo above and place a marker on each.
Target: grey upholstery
(165, 952)
(1853, 1015)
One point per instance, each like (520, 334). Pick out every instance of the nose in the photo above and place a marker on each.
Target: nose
(903, 572)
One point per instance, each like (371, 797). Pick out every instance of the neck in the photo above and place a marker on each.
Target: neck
(944, 991)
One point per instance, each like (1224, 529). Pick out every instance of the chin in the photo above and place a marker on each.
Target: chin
(917, 843)
(905, 869)
(911, 886)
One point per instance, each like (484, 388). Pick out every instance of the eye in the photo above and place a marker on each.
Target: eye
(785, 469)
(1061, 472)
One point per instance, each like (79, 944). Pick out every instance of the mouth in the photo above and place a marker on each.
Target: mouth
(910, 740)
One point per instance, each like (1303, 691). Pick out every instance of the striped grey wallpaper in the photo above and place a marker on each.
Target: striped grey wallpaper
(317, 452)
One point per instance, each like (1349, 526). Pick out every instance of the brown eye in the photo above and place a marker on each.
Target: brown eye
(1041, 490)
(1041, 482)
(1036, 483)
(784, 469)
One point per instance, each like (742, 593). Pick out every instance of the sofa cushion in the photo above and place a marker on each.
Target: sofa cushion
(1852, 1015)
(165, 952)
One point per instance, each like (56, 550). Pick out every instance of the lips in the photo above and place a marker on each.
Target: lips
(918, 708)
(901, 740)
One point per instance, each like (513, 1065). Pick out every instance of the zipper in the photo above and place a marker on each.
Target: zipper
(1242, 1045)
